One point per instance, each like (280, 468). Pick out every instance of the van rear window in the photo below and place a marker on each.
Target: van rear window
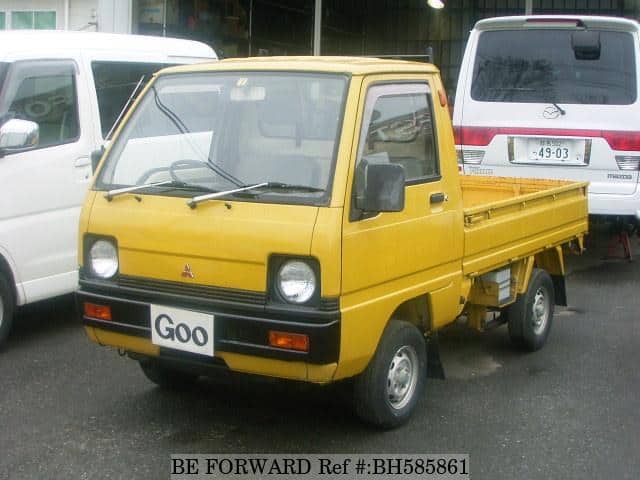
(539, 66)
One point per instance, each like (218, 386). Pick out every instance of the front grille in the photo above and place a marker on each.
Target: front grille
(201, 291)
(145, 288)
(329, 304)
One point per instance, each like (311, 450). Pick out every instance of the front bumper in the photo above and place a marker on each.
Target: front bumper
(242, 320)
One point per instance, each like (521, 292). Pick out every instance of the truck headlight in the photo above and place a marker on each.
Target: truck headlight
(296, 281)
(103, 259)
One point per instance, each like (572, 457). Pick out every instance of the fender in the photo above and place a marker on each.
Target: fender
(8, 264)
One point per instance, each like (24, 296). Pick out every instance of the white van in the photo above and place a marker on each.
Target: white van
(554, 97)
(60, 93)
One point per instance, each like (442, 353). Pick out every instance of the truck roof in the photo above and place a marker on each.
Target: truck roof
(15, 40)
(352, 65)
(555, 21)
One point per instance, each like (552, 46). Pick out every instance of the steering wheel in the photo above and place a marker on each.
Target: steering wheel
(182, 165)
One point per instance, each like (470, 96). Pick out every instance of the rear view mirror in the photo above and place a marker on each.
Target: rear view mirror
(382, 188)
(17, 135)
(586, 45)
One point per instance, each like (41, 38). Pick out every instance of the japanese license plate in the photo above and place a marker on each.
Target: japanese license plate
(182, 329)
(556, 151)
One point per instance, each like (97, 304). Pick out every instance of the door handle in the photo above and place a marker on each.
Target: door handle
(82, 162)
(438, 198)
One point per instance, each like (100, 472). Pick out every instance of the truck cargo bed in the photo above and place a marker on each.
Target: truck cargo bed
(510, 218)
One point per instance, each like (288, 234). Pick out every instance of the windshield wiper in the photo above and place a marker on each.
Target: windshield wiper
(193, 203)
(562, 111)
(290, 186)
(166, 184)
(119, 191)
(266, 185)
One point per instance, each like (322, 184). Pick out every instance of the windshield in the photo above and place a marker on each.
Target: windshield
(221, 131)
(539, 66)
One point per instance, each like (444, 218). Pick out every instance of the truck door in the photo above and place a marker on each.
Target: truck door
(43, 187)
(390, 255)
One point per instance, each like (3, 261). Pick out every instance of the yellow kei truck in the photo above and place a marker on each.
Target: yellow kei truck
(304, 218)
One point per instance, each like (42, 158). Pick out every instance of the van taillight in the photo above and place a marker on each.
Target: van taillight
(475, 136)
(624, 141)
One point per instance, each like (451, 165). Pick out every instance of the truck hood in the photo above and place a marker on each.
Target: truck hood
(224, 243)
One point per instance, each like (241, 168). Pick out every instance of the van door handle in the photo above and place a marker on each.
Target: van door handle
(438, 198)
(82, 162)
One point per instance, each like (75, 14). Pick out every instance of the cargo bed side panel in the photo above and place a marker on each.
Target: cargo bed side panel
(518, 218)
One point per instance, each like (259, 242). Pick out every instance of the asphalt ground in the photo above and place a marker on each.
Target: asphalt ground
(72, 409)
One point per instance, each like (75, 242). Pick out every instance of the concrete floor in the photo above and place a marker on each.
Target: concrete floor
(71, 409)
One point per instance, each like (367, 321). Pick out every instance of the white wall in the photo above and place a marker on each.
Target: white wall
(114, 16)
(82, 13)
(48, 5)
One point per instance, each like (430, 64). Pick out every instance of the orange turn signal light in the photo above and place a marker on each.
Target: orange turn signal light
(93, 310)
(289, 341)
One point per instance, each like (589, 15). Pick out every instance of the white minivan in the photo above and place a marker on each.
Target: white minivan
(554, 97)
(60, 94)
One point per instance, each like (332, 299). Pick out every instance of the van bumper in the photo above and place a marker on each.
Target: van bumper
(240, 333)
(616, 205)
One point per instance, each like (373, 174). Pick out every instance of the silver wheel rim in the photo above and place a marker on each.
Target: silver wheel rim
(402, 377)
(540, 311)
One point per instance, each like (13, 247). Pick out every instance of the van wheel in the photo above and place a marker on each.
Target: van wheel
(7, 307)
(530, 317)
(166, 377)
(386, 393)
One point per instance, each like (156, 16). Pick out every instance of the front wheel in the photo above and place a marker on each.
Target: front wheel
(530, 317)
(387, 392)
(7, 306)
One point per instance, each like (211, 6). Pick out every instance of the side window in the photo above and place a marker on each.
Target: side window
(45, 92)
(398, 128)
(114, 83)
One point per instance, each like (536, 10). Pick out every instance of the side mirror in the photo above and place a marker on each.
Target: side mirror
(586, 45)
(18, 135)
(383, 189)
(96, 155)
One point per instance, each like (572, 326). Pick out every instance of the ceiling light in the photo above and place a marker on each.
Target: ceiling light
(438, 4)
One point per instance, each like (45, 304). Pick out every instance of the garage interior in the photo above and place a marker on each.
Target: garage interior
(238, 28)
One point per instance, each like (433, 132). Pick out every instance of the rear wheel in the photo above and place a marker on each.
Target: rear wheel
(7, 307)
(530, 317)
(167, 377)
(387, 392)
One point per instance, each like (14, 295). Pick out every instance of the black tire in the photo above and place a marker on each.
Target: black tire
(531, 316)
(7, 308)
(166, 377)
(401, 352)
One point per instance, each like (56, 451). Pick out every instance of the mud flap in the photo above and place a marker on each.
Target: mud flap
(434, 365)
(559, 289)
